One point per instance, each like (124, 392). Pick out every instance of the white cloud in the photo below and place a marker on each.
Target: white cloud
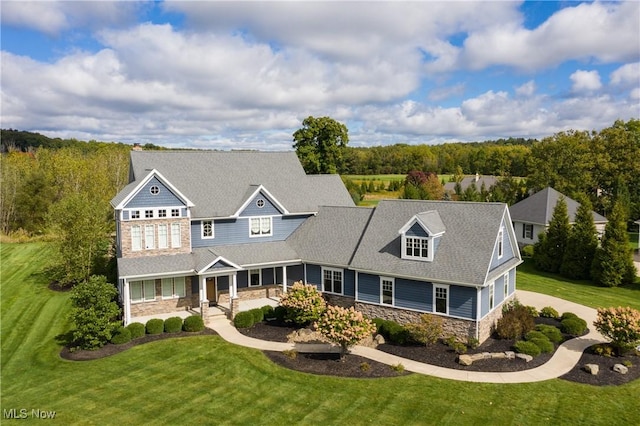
(627, 75)
(526, 89)
(585, 81)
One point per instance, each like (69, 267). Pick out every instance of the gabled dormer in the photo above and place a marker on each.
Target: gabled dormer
(421, 235)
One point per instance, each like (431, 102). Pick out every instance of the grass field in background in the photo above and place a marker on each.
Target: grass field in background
(204, 380)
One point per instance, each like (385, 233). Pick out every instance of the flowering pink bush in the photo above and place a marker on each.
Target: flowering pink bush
(346, 327)
(621, 325)
(304, 303)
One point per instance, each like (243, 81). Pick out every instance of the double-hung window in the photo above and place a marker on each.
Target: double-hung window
(142, 291)
(332, 280)
(527, 231)
(173, 288)
(254, 277)
(136, 238)
(260, 226)
(441, 299)
(492, 295)
(506, 285)
(176, 238)
(149, 237)
(163, 237)
(386, 291)
(416, 248)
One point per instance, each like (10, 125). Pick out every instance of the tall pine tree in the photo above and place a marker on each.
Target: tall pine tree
(549, 250)
(581, 244)
(613, 264)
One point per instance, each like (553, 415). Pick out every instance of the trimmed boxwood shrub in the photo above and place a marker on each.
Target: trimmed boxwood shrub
(136, 329)
(574, 326)
(535, 335)
(268, 311)
(378, 323)
(568, 315)
(173, 325)
(543, 343)
(394, 332)
(193, 324)
(155, 326)
(549, 312)
(243, 319)
(553, 333)
(121, 336)
(280, 312)
(258, 315)
(525, 347)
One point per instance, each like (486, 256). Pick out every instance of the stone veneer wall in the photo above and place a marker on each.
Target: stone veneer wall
(488, 323)
(463, 329)
(250, 293)
(161, 306)
(125, 237)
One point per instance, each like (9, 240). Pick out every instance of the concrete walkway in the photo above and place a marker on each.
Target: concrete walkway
(565, 358)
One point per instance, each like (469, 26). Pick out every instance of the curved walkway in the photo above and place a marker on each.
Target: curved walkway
(564, 359)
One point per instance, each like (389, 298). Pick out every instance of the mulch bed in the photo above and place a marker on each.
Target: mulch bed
(441, 355)
(111, 349)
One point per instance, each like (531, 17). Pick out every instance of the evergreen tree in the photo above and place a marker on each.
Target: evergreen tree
(613, 264)
(549, 250)
(581, 244)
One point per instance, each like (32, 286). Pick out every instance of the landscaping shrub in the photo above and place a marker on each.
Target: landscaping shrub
(122, 335)
(365, 366)
(343, 326)
(525, 347)
(527, 251)
(398, 368)
(621, 325)
(268, 311)
(473, 343)
(290, 353)
(243, 319)
(280, 312)
(603, 349)
(173, 325)
(533, 311)
(258, 315)
(553, 333)
(568, 315)
(378, 323)
(136, 329)
(574, 326)
(535, 334)
(304, 303)
(516, 321)
(394, 332)
(155, 326)
(545, 345)
(193, 324)
(427, 331)
(549, 312)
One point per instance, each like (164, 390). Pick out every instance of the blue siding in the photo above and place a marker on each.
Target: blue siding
(314, 273)
(462, 302)
(416, 231)
(349, 284)
(508, 250)
(295, 273)
(125, 215)
(269, 209)
(236, 231)
(144, 198)
(413, 295)
(368, 288)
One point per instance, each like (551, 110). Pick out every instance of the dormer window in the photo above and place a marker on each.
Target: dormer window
(419, 236)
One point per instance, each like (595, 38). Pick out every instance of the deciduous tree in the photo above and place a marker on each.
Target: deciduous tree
(320, 145)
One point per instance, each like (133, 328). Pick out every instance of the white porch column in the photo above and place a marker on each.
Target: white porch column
(284, 279)
(203, 289)
(233, 291)
(126, 302)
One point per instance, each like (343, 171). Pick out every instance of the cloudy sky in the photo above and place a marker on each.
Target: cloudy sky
(245, 74)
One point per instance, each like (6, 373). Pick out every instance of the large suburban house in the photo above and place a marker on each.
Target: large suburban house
(197, 229)
(532, 215)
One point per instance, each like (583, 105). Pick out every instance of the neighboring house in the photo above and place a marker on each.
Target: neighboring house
(532, 215)
(466, 182)
(196, 228)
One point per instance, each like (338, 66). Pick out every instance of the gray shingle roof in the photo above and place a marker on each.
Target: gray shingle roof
(256, 253)
(466, 182)
(217, 182)
(433, 221)
(155, 265)
(538, 208)
(463, 255)
(332, 236)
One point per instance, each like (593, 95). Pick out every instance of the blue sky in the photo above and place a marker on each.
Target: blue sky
(243, 75)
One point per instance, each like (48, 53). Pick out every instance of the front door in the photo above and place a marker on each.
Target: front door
(212, 290)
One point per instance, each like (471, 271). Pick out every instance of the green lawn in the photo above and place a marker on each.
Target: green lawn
(203, 380)
(583, 292)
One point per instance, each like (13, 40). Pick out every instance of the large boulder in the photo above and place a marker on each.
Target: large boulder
(619, 368)
(592, 368)
(525, 357)
(465, 360)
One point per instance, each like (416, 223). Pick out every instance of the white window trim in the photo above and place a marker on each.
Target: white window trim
(500, 243)
(163, 244)
(261, 234)
(528, 227)
(492, 296)
(149, 243)
(322, 271)
(430, 250)
(213, 230)
(176, 242)
(259, 277)
(393, 291)
(155, 211)
(138, 246)
(172, 283)
(506, 284)
(445, 287)
(145, 296)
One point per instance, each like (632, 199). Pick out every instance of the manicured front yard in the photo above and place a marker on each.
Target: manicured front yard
(204, 380)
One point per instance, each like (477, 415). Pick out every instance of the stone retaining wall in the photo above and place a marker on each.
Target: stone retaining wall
(161, 306)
